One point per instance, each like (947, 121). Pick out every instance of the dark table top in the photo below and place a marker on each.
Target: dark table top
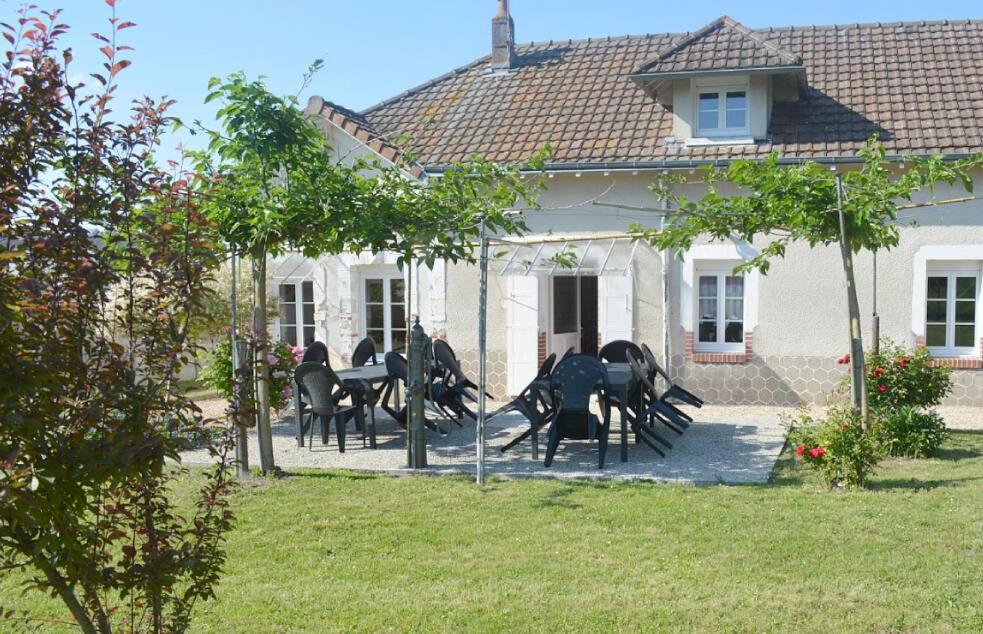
(370, 373)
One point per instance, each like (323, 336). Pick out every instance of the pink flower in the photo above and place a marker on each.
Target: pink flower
(816, 453)
(279, 374)
(271, 359)
(288, 391)
(878, 372)
(845, 359)
(801, 449)
(882, 389)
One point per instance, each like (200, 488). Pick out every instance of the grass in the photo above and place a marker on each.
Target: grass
(332, 551)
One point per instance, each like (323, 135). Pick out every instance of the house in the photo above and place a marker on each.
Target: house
(619, 112)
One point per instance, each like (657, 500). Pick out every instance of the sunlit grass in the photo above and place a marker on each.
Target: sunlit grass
(339, 551)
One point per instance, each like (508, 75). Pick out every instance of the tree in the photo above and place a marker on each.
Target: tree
(856, 209)
(275, 188)
(102, 254)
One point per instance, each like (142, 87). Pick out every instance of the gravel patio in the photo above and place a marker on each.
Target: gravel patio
(726, 444)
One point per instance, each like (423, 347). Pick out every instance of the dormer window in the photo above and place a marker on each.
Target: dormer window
(721, 110)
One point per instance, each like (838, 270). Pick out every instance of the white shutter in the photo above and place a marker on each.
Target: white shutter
(521, 331)
(615, 297)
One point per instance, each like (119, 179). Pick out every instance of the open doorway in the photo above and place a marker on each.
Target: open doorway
(573, 314)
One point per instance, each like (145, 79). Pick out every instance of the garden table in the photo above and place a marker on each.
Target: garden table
(360, 379)
(623, 384)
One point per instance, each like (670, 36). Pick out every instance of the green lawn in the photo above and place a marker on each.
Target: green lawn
(338, 551)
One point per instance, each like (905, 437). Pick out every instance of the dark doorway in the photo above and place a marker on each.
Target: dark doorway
(588, 315)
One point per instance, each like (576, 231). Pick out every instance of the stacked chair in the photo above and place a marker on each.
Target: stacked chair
(573, 382)
(535, 404)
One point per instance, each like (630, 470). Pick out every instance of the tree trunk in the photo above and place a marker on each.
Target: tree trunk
(858, 387)
(263, 430)
(60, 586)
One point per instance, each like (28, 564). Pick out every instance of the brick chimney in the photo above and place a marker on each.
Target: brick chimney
(503, 38)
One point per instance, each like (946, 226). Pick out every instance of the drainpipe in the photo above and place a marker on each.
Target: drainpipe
(666, 258)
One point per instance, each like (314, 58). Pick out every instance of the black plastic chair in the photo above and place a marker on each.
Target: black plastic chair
(673, 391)
(569, 353)
(442, 351)
(317, 352)
(573, 382)
(364, 353)
(399, 372)
(535, 404)
(654, 408)
(449, 386)
(322, 386)
(618, 351)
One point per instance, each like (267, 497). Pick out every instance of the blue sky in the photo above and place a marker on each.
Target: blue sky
(374, 49)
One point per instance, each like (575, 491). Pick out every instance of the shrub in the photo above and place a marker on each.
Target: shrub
(913, 432)
(282, 358)
(837, 447)
(898, 377)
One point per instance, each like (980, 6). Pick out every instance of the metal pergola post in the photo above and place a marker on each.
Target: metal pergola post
(482, 353)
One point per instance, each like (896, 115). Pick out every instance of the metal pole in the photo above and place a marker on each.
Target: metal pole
(416, 391)
(407, 305)
(242, 435)
(876, 326)
(482, 353)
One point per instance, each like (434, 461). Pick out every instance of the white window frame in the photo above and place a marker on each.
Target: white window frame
(721, 87)
(951, 271)
(721, 271)
(718, 256)
(386, 278)
(299, 302)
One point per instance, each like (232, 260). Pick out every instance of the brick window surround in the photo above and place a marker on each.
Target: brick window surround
(975, 363)
(719, 357)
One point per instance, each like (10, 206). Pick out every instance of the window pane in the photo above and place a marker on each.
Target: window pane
(396, 291)
(709, 118)
(398, 316)
(936, 312)
(938, 287)
(564, 305)
(965, 336)
(735, 287)
(708, 310)
(966, 312)
(399, 341)
(736, 109)
(734, 310)
(308, 314)
(373, 291)
(288, 293)
(378, 337)
(375, 316)
(734, 332)
(308, 335)
(289, 334)
(966, 288)
(708, 332)
(308, 291)
(708, 286)
(288, 314)
(935, 336)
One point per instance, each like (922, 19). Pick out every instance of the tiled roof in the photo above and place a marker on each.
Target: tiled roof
(918, 86)
(356, 125)
(721, 45)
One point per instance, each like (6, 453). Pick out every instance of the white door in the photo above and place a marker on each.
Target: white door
(521, 331)
(615, 297)
(565, 314)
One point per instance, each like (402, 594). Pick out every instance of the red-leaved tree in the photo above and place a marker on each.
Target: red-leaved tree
(103, 256)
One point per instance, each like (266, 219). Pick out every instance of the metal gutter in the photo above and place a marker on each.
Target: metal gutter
(641, 166)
